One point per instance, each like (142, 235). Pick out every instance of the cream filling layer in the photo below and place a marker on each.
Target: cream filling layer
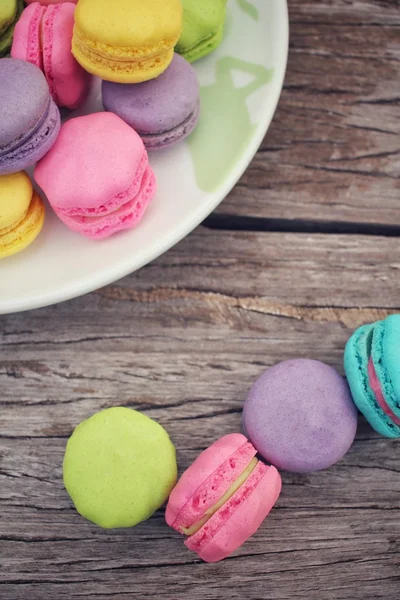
(228, 494)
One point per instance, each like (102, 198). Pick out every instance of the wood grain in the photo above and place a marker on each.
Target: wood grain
(182, 340)
(332, 153)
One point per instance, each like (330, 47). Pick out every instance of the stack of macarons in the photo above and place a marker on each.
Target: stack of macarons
(94, 169)
(299, 416)
(130, 45)
(29, 126)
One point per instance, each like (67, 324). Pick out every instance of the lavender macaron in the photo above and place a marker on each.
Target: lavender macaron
(29, 118)
(300, 416)
(163, 111)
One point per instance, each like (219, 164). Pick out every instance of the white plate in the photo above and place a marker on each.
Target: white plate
(241, 83)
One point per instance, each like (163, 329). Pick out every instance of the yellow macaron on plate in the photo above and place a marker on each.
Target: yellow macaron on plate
(21, 213)
(130, 41)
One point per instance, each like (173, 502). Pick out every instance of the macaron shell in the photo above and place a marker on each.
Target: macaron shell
(8, 9)
(48, 2)
(205, 465)
(356, 356)
(386, 358)
(108, 68)
(15, 198)
(205, 47)
(24, 97)
(94, 160)
(27, 230)
(157, 106)
(37, 145)
(68, 81)
(147, 27)
(161, 141)
(26, 43)
(240, 517)
(123, 218)
(203, 25)
(126, 41)
(191, 507)
(119, 467)
(10, 12)
(300, 416)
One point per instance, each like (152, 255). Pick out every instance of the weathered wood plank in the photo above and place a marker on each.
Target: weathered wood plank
(333, 150)
(182, 340)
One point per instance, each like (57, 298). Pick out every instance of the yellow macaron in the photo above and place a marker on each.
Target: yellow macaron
(21, 213)
(126, 41)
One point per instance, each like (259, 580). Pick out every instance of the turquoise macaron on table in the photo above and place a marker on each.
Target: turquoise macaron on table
(375, 348)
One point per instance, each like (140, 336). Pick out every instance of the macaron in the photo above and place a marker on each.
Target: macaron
(48, 2)
(300, 416)
(21, 213)
(10, 11)
(43, 36)
(203, 28)
(222, 498)
(372, 366)
(127, 41)
(163, 111)
(119, 467)
(97, 177)
(29, 118)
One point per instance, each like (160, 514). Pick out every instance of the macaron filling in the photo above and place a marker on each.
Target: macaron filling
(209, 529)
(47, 124)
(20, 141)
(170, 136)
(123, 59)
(123, 217)
(116, 202)
(211, 490)
(15, 224)
(376, 387)
(223, 500)
(204, 43)
(25, 231)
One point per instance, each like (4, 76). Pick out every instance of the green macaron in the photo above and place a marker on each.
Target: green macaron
(119, 467)
(10, 11)
(203, 28)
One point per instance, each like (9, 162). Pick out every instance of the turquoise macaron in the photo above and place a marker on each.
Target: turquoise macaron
(372, 365)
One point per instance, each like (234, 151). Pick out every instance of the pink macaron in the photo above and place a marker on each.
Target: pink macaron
(97, 177)
(223, 497)
(43, 37)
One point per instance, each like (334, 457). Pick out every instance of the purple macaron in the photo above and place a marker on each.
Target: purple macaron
(29, 118)
(300, 416)
(163, 111)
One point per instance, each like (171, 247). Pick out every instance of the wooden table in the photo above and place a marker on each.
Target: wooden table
(305, 249)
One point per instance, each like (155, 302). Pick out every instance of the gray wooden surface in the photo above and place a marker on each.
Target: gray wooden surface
(304, 250)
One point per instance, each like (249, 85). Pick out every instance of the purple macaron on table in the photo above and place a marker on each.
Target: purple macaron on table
(300, 416)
